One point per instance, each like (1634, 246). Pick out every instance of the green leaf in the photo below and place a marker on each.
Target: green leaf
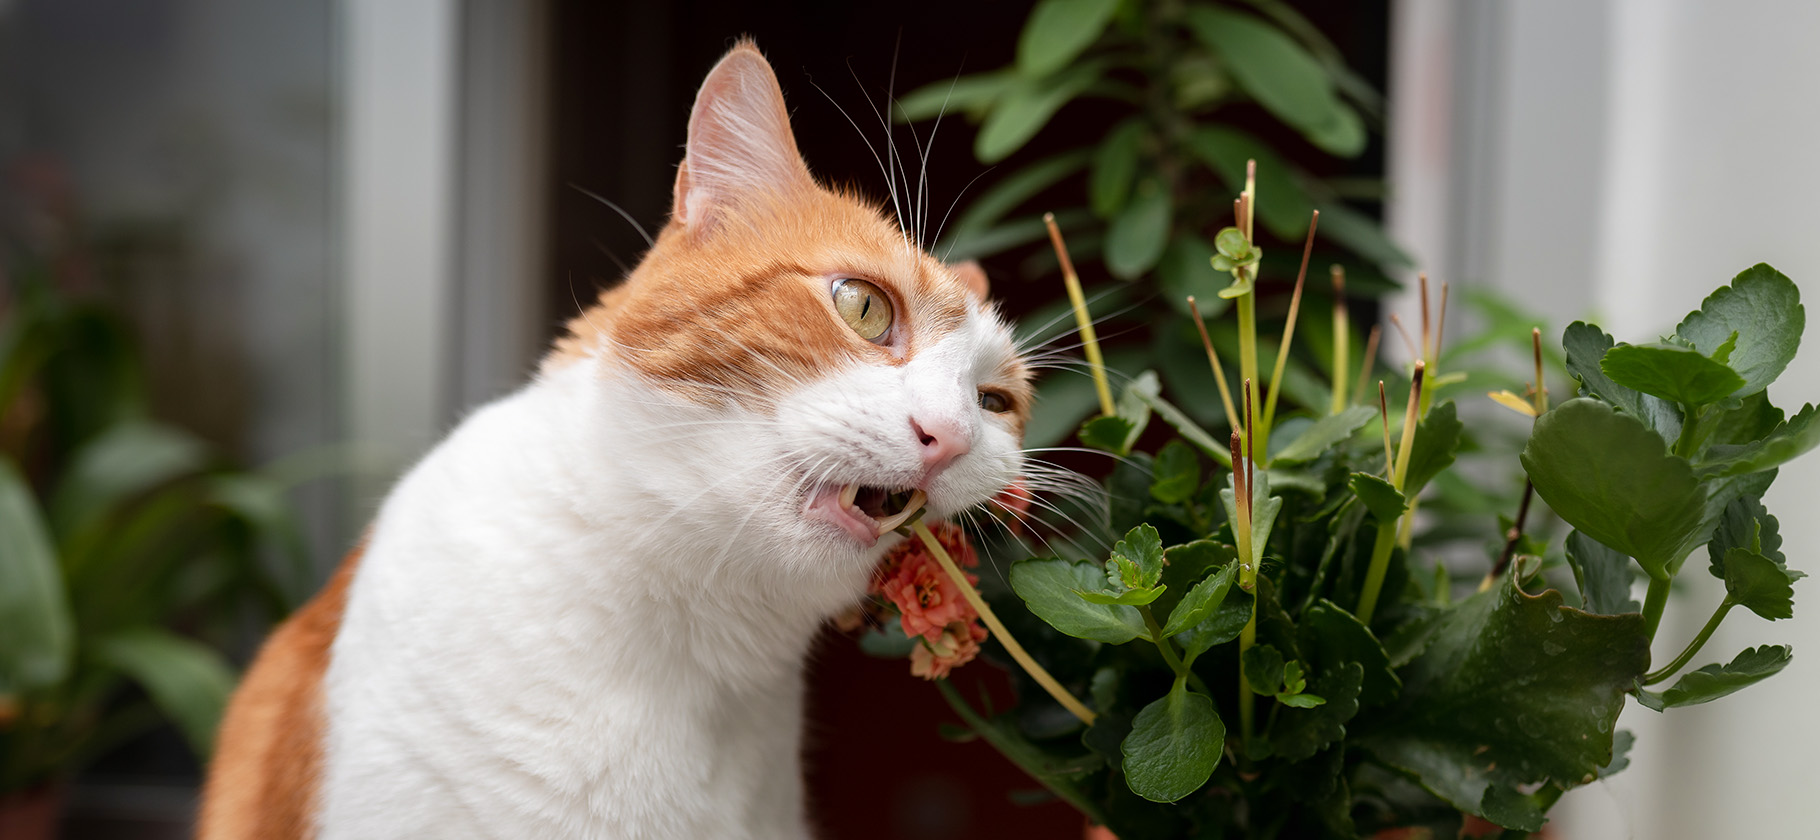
(1764, 308)
(1361, 235)
(189, 683)
(1057, 31)
(37, 636)
(1323, 434)
(997, 201)
(124, 461)
(1263, 669)
(1201, 601)
(1115, 165)
(1135, 597)
(1138, 234)
(1285, 207)
(1174, 744)
(1437, 438)
(887, 642)
(1604, 575)
(1061, 400)
(1511, 690)
(1786, 442)
(1586, 346)
(1228, 621)
(1048, 587)
(1609, 476)
(1384, 501)
(1176, 473)
(1184, 271)
(1264, 509)
(1142, 547)
(972, 94)
(1188, 429)
(1231, 242)
(1746, 524)
(1714, 681)
(1759, 583)
(1061, 774)
(1023, 110)
(1674, 373)
(1301, 731)
(1109, 433)
(1330, 637)
(1278, 73)
(1301, 701)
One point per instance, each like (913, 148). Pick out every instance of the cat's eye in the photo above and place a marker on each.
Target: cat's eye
(864, 307)
(994, 402)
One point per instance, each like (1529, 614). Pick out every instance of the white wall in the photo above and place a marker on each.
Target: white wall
(1622, 158)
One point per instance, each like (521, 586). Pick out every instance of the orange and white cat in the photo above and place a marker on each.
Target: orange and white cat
(585, 613)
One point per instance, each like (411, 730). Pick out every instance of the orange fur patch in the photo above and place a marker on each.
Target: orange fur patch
(263, 780)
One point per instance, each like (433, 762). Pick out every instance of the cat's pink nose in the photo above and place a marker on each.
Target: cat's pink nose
(942, 441)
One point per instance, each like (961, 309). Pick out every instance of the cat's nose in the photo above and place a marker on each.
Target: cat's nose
(942, 441)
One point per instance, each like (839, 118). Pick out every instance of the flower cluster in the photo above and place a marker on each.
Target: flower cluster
(930, 605)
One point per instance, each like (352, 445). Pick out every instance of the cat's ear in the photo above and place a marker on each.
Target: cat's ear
(740, 143)
(973, 277)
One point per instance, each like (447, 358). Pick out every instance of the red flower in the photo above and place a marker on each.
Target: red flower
(930, 605)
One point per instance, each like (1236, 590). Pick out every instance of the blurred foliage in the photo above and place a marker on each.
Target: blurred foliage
(131, 552)
(1145, 182)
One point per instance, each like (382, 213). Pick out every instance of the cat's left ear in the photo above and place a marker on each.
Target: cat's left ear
(973, 277)
(740, 144)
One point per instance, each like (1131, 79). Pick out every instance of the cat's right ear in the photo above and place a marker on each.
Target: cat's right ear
(740, 144)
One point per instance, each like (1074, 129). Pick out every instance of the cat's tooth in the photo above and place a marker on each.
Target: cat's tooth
(910, 508)
(848, 494)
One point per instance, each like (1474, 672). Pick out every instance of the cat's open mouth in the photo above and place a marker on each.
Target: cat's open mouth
(865, 511)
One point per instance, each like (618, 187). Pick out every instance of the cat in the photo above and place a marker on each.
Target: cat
(585, 613)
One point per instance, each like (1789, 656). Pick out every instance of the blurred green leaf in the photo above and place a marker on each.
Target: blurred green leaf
(1277, 72)
(1784, 443)
(1604, 575)
(1313, 442)
(1184, 270)
(1283, 206)
(1057, 31)
(1714, 681)
(1764, 308)
(37, 640)
(1228, 621)
(1385, 502)
(1023, 110)
(1138, 234)
(1362, 235)
(1609, 476)
(1306, 727)
(1176, 473)
(1437, 439)
(189, 683)
(1331, 637)
(1263, 668)
(1174, 744)
(991, 206)
(972, 94)
(1109, 433)
(1115, 165)
(126, 460)
(1061, 400)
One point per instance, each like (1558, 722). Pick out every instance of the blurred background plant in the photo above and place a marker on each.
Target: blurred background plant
(132, 553)
(1186, 93)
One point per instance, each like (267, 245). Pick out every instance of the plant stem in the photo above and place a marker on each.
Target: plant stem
(1342, 342)
(1213, 359)
(1653, 604)
(1015, 751)
(1295, 307)
(1694, 646)
(1374, 574)
(1247, 701)
(1016, 650)
(1162, 642)
(1685, 444)
(1089, 341)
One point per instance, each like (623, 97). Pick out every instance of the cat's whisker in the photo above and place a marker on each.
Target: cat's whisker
(617, 209)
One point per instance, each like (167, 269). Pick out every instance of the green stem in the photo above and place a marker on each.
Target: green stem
(1248, 358)
(1016, 751)
(1247, 701)
(1686, 443)
(1374, 574)
(1693, 647)
(1162, 642)
(1653, 604)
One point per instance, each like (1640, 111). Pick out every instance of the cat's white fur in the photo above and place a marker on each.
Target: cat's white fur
(585, 613)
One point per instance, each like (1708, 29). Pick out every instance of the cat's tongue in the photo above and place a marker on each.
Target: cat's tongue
(865, 512)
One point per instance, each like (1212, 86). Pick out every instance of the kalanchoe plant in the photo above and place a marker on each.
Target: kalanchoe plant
(1262, 654)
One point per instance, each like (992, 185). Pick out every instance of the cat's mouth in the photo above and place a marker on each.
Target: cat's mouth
(865, 511)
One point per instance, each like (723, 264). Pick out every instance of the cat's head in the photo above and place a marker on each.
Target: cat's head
(856, 369)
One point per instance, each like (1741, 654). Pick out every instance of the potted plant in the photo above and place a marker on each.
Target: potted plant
(130, 552)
